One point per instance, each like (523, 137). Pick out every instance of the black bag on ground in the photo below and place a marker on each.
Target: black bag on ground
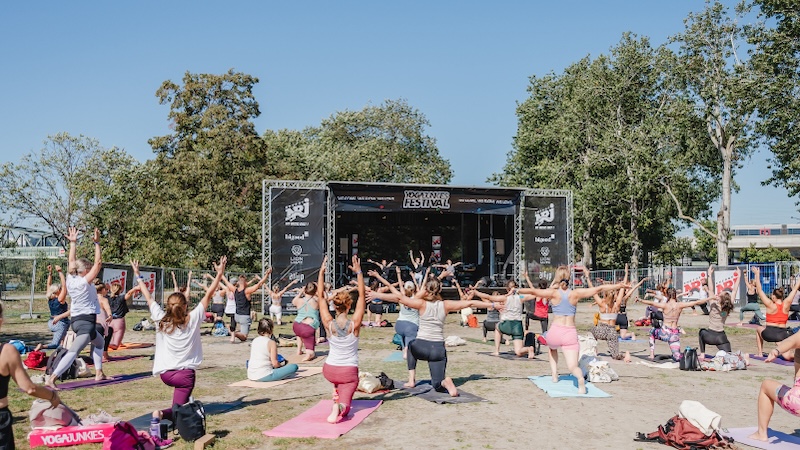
(386, 382)
(690, 361)
(656, 317)
(530, 340)
(190, 420)
(52, 362)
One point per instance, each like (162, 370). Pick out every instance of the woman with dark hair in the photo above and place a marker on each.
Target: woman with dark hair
(752, 304)
(59, 309)
(306, 322)
(179, 350)
(538, 308)
(719, 308)
(669, 331)
(275, 307)
(84, 309)
(418, 267)
(263, 364)
(777, 312)
(119, 303)
(429, 344)
(242, 293)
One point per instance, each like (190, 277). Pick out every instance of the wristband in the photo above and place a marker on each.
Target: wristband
(358, 273)
(96, 243)
(139, 277)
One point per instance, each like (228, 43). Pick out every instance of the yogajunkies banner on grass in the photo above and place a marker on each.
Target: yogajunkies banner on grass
(297, 224)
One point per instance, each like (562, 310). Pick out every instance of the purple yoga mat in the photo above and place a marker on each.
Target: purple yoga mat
(782, 362)
(88, 383)
(777, 440)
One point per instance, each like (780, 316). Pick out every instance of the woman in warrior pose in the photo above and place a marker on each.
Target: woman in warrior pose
(59, 309)
(669, 331)
(777, 313)
(242, 293)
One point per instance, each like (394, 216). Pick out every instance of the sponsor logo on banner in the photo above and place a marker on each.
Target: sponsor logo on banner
(693, 281)
(115, 276)
(296, 237)
(724, 280)
(543, 216)
(545, 258)
(299, 210)
(426, 200)
(544, 239)
(150, 282)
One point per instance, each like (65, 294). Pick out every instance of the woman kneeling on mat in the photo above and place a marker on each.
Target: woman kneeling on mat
(773, 391)
(511, 316)
(429, 345)
(669, 331)
(263, 364)
(306, 322)
(179, 350)
(341, 367)
(719, 308)
(777, 313)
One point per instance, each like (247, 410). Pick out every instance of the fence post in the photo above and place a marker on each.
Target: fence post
(33, 290)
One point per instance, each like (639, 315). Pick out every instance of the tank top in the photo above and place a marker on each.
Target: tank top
(540, 308)
(408, 314)
(431, 322)
(230, 304)
(304, 311)
(752, 298)
(56, 307)
(716, 318)
(217, 298)
(608, 316)
(343, 345)
(242, 303)
(778, 317)
(4, 380)
(564, 308)
(513, 310)
(118, 305)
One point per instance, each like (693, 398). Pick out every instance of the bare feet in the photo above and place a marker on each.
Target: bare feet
(651, 357)
(335, 410)
(627, 357)
(51, 383)
(582, 389)
(450, 386)
(308, 357)
(484, 339)
(759, 436)
(555, 378)
(410, 384)
(495, 354)
(100, 376)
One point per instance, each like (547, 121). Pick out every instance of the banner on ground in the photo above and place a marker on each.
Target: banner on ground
(544, 220)
(297, 227)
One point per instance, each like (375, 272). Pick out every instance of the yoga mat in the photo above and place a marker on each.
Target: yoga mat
(111, 380)
(143, 422)
(665, 365)
(425, 391)
(313, 422)
(636, 341)
(90, 364)
(296, 359)
(782, 362)
(567, 386)
(480, 341)
(394, 357)
(132, 346)
(776, 439)
(509, 356)
(302, 372)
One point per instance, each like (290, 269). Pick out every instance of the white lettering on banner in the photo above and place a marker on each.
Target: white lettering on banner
(693, 282)
(76, 437)
(544, 239)
(297, 250)
(296, 237)
(724, 281)
(296, 260)
(298, 210)
(114, 276)
(546, 215)
(299, 276)
(426, 200)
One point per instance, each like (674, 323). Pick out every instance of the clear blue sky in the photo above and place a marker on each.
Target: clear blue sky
(93, 68)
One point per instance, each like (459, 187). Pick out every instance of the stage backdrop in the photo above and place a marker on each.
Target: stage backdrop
(297, 225)
(546, 244)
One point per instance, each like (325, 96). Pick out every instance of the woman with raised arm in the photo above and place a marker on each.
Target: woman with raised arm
(510, 324)
(407, 324)
(429, 344)
(217, 299)
(242, 294)
(341, 366)
(179, 350)
(119, 304)
(104, 318)
(777, 312)
(752, 304)
(59, 309)
(669, 331)
(11, 367)
(306, 322)
(539, 308)
(719, 308)
(418, 268)
(84, 309)
(562, 333)
(606, 329)
(275, 308)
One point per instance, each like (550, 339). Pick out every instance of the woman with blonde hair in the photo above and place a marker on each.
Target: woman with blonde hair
(119, 304)
(275, 307)
(306, 322)
(59, 309)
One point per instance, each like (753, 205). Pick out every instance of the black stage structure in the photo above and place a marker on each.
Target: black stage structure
(494, 232)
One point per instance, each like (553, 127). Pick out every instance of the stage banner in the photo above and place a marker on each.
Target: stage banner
(353, 197)
(297, 225)
(118, 276)
(724, 280)
(545, 235)
(150, 282)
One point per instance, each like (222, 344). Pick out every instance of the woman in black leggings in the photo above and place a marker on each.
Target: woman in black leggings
(719, 308)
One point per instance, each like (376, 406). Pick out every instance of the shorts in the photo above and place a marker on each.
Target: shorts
(775, 334)
(244, 323)
(218, 308)
(6, 433)
(622, 321)
(512, 328)
(376, 308)
(564, 337)
(789, 398)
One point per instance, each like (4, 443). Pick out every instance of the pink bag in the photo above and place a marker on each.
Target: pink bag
(125, 437)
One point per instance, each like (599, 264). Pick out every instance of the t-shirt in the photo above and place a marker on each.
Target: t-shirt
(83, 295)
(180, 349)
(118, 305)
(260, 364)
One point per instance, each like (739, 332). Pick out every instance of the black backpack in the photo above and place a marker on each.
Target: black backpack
(190, 420)
(656, 317)
(690, 361)
(52, 362)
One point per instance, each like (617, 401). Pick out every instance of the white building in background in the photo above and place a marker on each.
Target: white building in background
(780, 236)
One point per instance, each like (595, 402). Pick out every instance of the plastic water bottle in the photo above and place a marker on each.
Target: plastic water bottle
(154, 427)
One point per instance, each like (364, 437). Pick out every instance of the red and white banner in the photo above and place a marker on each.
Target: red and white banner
(724, 280)
(115, 276)
(693, 281)
(150, 282)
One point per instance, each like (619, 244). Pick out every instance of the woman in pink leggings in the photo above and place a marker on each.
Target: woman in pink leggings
(341, 367)
(178, 348)
(773, 391)
(562, 333)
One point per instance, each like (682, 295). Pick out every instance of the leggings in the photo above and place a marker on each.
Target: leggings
(605, 332)
(775, 334)
(233, 322)
(59, 331)
(345, 383)
(435, 354)
(407, 330)
(82, 339)
(754, 307)
(307, 333)
(670, 335)
(276, 312)
(488, 326)
(183, 382)
(543, 321)
(718, 338)
(118, 327)
(280, 373)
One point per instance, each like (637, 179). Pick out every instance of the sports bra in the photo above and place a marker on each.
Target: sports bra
(608, 316)
(778, 317)
(4, 380)
(564, 308)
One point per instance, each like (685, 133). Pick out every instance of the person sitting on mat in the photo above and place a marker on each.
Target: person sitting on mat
(511, 322)
(179, 350)
(777, 313)
(429, 345)
(263, 364)
(341, 367)
(774, 391)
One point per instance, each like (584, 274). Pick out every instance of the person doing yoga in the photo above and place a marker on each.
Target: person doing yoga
(719, 308)
(407, 324)
(669, 331)
(418, 268)
(429, 344)
(275, 307)
(263, 364)
(562, 334)
(777, 312)
(306, 322)
(119, 304)
(84, 309)
(59, 309)
(752, 304)
(511, 316)
(179, 350)
(242, 293)
(788, 397)
(539, 308)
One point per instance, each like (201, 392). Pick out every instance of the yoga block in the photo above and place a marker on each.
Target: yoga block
(204, 441)
(69, 436)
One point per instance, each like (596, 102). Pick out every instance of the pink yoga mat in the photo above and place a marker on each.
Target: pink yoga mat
(313, 423)
(777, 440)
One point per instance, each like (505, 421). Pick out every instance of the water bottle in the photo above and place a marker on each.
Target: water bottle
(155, 430)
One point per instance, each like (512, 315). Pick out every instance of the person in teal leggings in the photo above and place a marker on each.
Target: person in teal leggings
(264, 364)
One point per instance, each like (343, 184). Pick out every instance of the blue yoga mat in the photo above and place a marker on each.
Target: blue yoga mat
(567, 386)
(395, 357)
(642, 341)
